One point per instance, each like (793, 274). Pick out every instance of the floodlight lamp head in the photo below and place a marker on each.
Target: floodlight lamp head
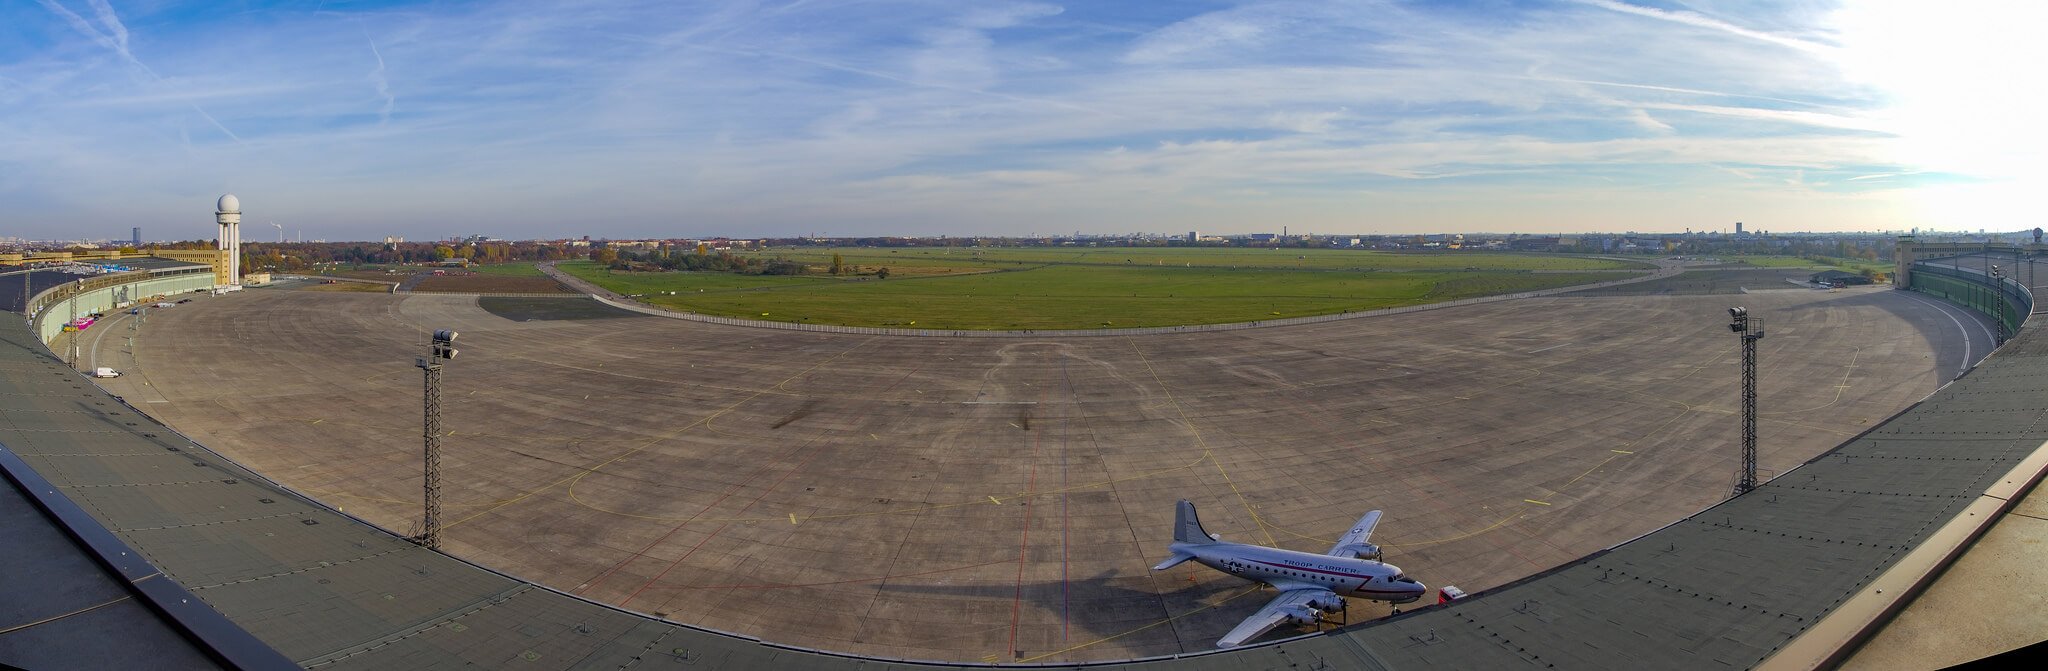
(1738, 313)
(444, 336)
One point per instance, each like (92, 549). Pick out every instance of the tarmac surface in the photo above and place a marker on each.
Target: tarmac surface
(1001, 499)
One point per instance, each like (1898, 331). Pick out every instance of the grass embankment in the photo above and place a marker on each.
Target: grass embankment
(1831, 263)
(1056, 289)
(969, 259)
(347, 287)
(513, 269)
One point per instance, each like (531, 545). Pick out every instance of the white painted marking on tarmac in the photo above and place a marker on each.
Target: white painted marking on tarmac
(998, 403)
(1959, 326)
(1546, 349)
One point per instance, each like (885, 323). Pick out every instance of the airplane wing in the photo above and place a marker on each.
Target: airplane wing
(1294, 605)
(1355, 542)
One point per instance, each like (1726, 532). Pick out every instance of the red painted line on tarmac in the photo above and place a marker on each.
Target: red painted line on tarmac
(1024, 544)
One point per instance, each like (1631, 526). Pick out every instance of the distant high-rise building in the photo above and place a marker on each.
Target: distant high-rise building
(1194, 236)
(138, 236)
(1738, 229)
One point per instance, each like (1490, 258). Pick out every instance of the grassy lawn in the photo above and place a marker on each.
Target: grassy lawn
(1850, 265)
(1774, 261)
(1056, 296)
(367, 273)
(652, 283)
(967, 259)
(513, 269)
(347, 287)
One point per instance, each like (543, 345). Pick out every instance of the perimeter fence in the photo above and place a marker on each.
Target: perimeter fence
(2007, 300)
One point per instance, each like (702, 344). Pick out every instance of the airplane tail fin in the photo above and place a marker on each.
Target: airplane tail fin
(1187, 528)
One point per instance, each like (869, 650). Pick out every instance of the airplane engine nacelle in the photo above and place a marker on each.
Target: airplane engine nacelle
(1332, 605)
(1369, 551)
(1303, 616)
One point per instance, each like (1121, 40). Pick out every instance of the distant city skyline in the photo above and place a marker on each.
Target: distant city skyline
(360, 120)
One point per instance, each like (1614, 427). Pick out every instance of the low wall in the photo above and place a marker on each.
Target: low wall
(2006, 301)
(107, 293)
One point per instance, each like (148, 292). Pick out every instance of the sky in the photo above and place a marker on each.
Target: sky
(619, 119)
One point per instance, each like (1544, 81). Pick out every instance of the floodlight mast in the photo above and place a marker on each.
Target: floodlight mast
(438, 353)
(1749, 330)
(1998, 294)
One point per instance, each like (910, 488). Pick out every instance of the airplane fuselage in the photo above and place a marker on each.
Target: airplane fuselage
(1287, 569)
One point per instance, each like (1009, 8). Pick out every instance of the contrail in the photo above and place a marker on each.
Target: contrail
(383, 83)
(116, 39)
(1703, 21)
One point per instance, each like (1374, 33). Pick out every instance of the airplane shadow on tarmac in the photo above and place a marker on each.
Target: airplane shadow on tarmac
(1103, 609)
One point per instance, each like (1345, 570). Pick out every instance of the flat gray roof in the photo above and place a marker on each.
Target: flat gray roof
(60, 609)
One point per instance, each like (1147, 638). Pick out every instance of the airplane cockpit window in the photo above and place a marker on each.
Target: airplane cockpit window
(1402, 577)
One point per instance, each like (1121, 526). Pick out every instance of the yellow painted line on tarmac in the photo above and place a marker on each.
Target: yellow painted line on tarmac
(1621, 451)
(1208, 452)
(1540, 503)
(317, 421)
(792, 518)
(874, 436)
(994, 501)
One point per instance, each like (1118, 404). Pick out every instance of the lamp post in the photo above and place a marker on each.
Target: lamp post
(438, 353)
(1998, 295)
(1749, 330)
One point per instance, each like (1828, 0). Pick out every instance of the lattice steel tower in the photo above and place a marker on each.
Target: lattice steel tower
(1750, 330)
(438, 353)
(1998, 294)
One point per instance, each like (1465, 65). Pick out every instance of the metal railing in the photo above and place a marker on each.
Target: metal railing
(2008, 300)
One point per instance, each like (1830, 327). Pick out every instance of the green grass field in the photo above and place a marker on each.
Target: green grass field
(1850, 265)
(1030, 289)
(969, 259)
(513, 269)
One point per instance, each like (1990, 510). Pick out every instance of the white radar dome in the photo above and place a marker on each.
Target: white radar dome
(229, 203)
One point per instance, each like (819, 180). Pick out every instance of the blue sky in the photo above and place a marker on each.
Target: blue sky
(356, 120)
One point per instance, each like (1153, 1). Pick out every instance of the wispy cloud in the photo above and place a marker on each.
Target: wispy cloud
(116, 38)
(931, 116)
(1702, 21)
